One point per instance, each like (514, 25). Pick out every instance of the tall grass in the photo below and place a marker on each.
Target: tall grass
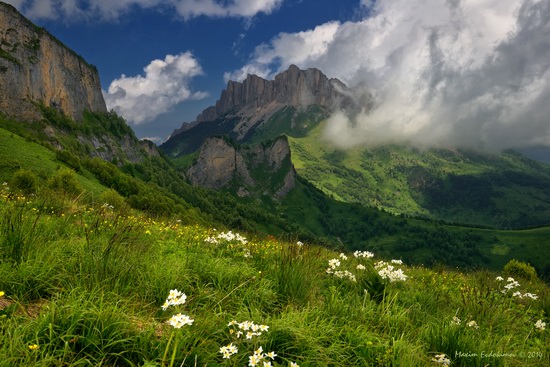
(86, 285)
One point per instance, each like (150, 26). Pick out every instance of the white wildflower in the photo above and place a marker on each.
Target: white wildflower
(365, 254)
(179, 320)
(228, 350)
(456, 321)
(540, 325)
(473, 324)
(442, 359)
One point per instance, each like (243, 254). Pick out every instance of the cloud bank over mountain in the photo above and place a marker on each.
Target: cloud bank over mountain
(457, 72)
(165, 84)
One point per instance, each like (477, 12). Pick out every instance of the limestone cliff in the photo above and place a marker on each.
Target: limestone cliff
(36, 67)
(256, 99)
(248, 170)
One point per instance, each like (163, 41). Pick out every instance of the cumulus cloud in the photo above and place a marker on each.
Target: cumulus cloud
(111, 10)
(165, 84)
(472, 73)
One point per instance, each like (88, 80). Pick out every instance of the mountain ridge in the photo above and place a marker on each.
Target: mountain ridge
(254, 100)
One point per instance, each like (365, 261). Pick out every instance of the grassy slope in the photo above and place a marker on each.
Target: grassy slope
(325, 218)
(37, 158)
(417, 241)
(506, 190)
(89, 287)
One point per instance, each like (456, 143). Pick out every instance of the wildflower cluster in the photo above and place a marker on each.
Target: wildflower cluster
(107, 206)
(179, 320)
(442, 359)
(250, 328)
(333, 264)
(511, 283)
(364, 254)
(539, 325)
(528, 295)
(227, 237)
(176, 298)
(228, 351)
(456, 321)
(260, 356)
(387, 271)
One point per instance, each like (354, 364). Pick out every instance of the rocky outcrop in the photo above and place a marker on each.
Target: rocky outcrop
(256, 99)
(264, 169)
(35, 67)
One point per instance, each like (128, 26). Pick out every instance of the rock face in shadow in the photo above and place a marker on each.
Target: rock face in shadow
(35, 67)
(261, 169)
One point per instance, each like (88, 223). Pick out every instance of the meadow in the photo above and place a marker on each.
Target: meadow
(100, 284)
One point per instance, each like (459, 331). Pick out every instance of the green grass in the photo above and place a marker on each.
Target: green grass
(90, 285)
(504, 191)
(38, 159)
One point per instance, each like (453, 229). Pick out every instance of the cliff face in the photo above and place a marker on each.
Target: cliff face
(36, 67)
(253, 170)
(256, 99)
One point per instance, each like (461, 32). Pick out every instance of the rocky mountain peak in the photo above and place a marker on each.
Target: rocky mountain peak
(255, 99)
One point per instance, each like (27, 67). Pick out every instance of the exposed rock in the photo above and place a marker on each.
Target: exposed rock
(35, 67)
(248, 169)
(256, 99)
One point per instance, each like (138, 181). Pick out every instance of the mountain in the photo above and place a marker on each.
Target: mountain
(58, 95)
(504, 190)
(93, 159)
(245, 110)
(35, 67)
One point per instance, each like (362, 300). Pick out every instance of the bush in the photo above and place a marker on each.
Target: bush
(65, 181)
(25, 181)
(519, 269)
(69, 159)
(112, 197)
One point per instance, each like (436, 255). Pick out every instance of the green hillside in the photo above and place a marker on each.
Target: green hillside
(306, 213)
(83, 285)
(505, 190)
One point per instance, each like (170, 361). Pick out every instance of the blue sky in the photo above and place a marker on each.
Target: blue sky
(131, 39)
(466, 73)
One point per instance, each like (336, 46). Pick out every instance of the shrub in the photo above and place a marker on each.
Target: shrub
(69, 159)
(65, 181)
(112, 197)
(25, 181)
(519, 269)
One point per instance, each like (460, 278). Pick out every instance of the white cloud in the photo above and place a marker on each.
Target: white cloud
(110, 10)
(457, 72)
(140, 99)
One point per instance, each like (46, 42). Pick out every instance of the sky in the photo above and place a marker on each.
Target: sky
(460, 73)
